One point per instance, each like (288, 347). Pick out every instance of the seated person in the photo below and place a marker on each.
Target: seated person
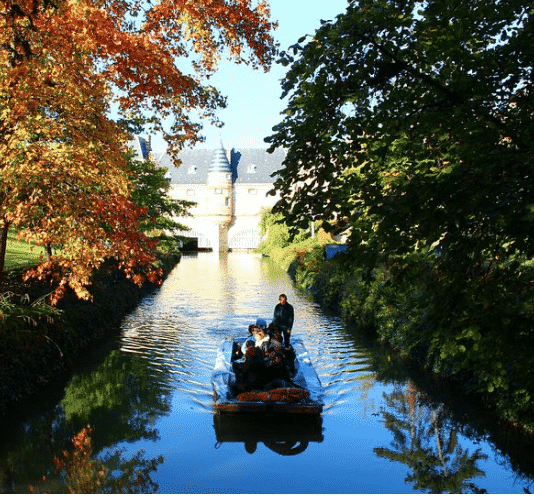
(249, 339)
(264, 364)
(261, 323)
(250, 374)
(276, 336)
(262, 338)
(279, 353)
(252, 328)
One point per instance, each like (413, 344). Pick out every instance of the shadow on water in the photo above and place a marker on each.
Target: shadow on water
(284, 435)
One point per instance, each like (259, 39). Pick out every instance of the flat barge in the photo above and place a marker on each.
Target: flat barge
(304, 397)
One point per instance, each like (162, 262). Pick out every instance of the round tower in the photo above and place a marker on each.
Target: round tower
(220, 188)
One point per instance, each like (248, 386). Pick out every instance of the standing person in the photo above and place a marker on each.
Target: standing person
(283, 318)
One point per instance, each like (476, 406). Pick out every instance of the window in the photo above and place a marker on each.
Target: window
(252, 191)
(192, 169)
(190, 192)
(252, 169)
(218, 191)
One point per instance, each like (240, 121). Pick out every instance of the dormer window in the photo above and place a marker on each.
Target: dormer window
(252, 169)
(192, 169)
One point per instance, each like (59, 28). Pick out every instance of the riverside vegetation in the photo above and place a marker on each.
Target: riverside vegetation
(42, 335)
(70, 100)
(409, 128)
(41, 342)
(398, 312)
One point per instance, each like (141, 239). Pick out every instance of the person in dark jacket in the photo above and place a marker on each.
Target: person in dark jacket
(283, 318)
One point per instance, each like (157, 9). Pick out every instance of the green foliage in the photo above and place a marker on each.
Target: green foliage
(17, 313)
(151, 191)
(26, 329)
(411, 124)
(287, 246)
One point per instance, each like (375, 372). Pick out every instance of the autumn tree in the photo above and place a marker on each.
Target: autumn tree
(64, 176)
(411, 124)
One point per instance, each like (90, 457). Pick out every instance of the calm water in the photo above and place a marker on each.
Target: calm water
(148, 399)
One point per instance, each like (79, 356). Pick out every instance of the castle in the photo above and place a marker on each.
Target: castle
(229, 189)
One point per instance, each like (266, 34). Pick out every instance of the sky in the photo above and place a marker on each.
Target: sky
(253, 97)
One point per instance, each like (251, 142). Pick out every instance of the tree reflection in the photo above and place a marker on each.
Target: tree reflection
(79, 472)
(122, 398)
(428, 446)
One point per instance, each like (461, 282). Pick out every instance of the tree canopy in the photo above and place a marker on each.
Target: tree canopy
(151, 188)
(63, 65)
(411, 124)
(414, 119)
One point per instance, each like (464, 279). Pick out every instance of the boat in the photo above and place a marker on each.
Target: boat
(304, 397)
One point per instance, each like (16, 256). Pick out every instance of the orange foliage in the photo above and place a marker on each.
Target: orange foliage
(62, 159)
(285, 395)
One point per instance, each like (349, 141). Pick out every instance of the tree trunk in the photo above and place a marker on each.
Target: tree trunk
(4, 229)
(48, 251)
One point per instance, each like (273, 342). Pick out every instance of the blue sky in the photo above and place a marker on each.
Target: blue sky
(254, 103)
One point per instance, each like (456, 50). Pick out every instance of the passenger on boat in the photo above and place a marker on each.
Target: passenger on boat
(264, 364)
(283, 318)
(250, 374)
(261, 323)
(262, 338)
(276, 336)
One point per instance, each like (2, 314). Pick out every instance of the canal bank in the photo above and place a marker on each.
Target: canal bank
(395, 312)
(43, 346)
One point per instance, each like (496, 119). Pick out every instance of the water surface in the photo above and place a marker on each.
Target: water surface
(148, 399)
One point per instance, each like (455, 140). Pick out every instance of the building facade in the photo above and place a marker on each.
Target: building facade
(229, 188)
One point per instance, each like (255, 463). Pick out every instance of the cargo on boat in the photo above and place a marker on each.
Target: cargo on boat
(302, 394)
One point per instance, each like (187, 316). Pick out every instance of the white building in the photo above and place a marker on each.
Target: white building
(229, 188)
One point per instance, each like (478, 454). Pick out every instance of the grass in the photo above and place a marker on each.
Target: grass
(20, 254)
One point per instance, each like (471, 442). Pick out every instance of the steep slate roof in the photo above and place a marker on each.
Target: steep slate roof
(194, 168)
(248, 165)
(254, 165)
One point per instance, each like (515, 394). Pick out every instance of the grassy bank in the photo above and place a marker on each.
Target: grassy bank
(40, 343)
(20, 254)
(489, 366)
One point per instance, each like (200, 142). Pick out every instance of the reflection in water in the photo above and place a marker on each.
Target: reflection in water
(286, 434)
(122, 399)
(78, 472)
(152, 392)
(429, 445)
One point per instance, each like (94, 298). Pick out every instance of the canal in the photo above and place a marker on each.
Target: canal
(147, 399)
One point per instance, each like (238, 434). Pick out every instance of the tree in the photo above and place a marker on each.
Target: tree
(151, 188)
(63, 169)
(412, 123)
(64, 177)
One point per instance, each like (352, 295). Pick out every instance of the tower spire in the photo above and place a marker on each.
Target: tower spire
(219, 162)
